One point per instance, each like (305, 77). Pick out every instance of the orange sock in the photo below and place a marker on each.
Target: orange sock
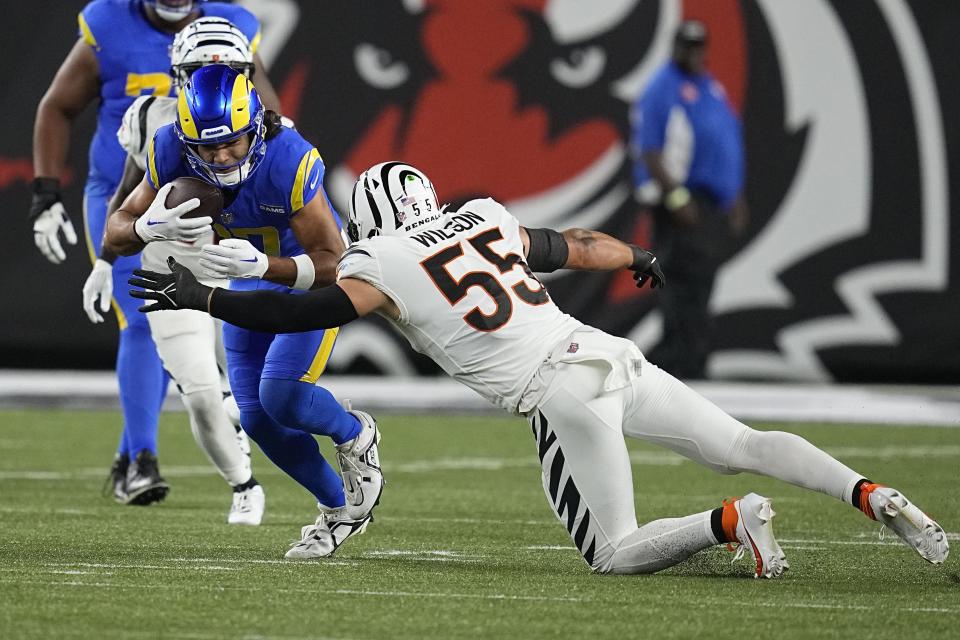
(865, 490)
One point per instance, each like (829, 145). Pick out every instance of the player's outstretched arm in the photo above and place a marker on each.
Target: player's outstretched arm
(585, 250)
(73, 88)
(263, 310)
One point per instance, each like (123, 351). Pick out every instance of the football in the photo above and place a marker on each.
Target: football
(211, 198)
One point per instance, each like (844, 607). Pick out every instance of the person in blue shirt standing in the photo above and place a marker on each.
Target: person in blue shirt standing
(279, 232)
(122, 53)
(689, 170)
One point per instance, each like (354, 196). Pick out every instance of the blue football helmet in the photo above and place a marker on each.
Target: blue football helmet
(218, 104)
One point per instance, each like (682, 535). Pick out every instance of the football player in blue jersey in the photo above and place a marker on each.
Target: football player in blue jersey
(279, 232)
(122, 53)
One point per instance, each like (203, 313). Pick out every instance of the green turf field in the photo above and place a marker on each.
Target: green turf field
(463, 545)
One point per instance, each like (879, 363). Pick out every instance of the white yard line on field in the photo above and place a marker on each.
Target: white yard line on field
(492, 463)
(314, 591)
(483, 596)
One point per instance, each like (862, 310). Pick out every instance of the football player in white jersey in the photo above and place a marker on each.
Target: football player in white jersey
(189, 345)
(460, 286)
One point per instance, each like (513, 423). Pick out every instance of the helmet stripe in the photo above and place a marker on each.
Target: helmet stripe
(372, 202)
(306, 165)
(187, 124)
(255, 43)
(384, 175)
(240, 103)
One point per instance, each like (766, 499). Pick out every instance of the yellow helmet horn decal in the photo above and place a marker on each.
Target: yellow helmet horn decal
(187, 124)
(240, 103)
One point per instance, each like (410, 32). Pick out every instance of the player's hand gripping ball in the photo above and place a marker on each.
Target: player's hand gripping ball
(182, 210)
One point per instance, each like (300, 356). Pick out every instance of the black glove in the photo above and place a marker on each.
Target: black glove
(46, 193)
(171, 291)
(646, 267)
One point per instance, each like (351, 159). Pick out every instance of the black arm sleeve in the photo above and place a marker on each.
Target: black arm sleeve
(276, 312)
(548, 250)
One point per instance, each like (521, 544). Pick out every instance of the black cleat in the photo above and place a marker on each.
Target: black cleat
(145, 485)
(116, 482)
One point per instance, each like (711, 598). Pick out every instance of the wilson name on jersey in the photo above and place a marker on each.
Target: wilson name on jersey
(467, 298)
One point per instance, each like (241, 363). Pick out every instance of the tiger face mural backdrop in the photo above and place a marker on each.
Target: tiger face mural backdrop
(844, 272)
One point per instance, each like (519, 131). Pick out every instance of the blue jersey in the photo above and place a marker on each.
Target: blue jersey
(699, 104)
(134, 60)
(260, 209)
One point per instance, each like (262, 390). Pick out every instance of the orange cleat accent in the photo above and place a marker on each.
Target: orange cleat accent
(865, 491)
(729, 520)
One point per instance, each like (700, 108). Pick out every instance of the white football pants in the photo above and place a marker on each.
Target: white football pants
(188, 342)
(595, 390)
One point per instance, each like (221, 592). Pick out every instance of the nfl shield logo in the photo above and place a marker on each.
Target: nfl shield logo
(226, 217)
(573, 348)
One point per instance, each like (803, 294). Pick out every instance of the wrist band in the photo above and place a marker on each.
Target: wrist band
(676, 198)
(306, 272)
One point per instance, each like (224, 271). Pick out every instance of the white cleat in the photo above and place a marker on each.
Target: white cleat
(755, 533)
(322, 538)
(359, 462)
(913, 526)
(247, 507)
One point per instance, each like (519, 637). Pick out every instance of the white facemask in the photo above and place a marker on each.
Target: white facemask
(172, 14)
(235, 176)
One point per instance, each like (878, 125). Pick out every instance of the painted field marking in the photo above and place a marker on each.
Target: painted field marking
(487, 596)
(347, 592)
(493, 463)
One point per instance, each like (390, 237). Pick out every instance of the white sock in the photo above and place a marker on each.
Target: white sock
(661, 544)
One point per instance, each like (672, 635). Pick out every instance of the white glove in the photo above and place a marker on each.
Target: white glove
(160, 223)
(232, 258)
(46, 229)
(99, 284)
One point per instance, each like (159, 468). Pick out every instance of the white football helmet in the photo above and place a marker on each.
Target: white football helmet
(391, 199)
(209, 41)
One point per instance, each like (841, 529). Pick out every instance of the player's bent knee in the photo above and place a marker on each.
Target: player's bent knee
(286, 401)
(206, 405)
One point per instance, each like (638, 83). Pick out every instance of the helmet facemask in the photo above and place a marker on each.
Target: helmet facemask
(227, 176)
(171, 10)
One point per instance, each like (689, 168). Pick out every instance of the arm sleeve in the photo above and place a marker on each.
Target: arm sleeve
(276, 312)
(548, 250)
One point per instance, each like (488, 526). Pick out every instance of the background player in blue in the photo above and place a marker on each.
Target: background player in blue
(121, 54)
(280, 232)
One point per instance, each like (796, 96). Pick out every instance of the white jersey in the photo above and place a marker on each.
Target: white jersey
(139, 123)
(467, 298)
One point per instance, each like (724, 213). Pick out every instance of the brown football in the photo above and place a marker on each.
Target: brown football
(211, 198)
